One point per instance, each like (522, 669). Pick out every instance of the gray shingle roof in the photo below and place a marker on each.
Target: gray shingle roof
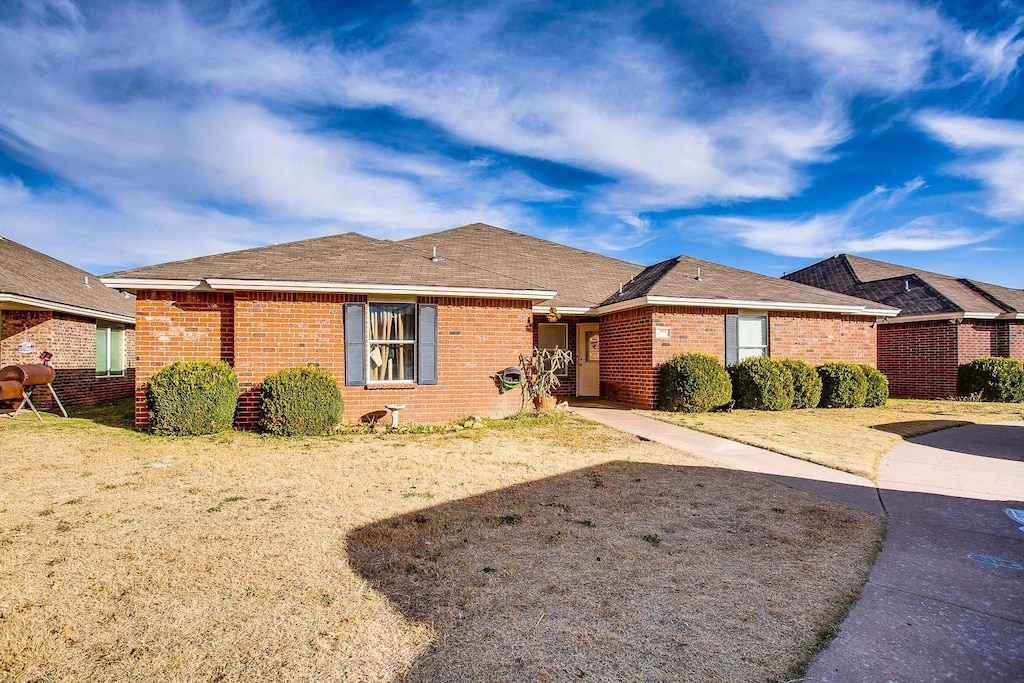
(348, 258)
(582, 279)
(677, 278)
(917, 292)
(25, 272)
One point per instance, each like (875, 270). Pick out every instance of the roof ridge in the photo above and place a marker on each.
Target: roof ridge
(531, 285)
(987, 294)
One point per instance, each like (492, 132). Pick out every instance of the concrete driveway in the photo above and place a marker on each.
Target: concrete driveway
(945, 601)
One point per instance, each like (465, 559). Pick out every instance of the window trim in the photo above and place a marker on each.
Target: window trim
(110, 327)
(414, 342)
(565, 336)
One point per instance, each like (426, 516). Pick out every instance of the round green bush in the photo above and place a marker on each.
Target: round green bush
(192, 397)
(806, 383)
(998, 379)
(762, 383)
(878, 387)
(693, 383)
(843, 385)
(300, 402)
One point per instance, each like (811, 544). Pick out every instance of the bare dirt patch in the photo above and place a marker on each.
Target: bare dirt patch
(468, 556)
(852, 440)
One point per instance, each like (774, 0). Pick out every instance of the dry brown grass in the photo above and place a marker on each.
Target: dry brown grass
(493, 554)
(852, 440)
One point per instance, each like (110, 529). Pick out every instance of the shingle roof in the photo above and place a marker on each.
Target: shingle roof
(348, 258)
(28, 273)
(917, 292)
(582, 279)
(676, 278)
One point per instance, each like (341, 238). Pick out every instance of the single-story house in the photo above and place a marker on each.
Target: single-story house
(50, 306)
(427, 322)
(944, 321)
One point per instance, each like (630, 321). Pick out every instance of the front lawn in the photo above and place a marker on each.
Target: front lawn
(543, 550)
(848, 439)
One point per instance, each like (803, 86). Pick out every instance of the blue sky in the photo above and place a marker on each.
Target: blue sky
(763, 134)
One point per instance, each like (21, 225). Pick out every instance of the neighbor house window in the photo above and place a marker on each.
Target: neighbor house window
(553, 336)
(746, 335)
(109, 350)
(392, 342)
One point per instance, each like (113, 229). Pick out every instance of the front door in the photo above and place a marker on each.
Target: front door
(588, 352)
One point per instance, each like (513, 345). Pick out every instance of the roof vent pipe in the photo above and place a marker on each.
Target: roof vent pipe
(698, 275)
(906, 285)
(620, 288)
(433, 255)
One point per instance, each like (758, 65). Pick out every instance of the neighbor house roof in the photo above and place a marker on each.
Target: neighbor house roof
(582, 279)
(32, 280)
(918, 293)
(349, 262)
(689, 281)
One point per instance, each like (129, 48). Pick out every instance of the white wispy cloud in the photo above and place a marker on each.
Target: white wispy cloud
(855, 228)
(992, 152)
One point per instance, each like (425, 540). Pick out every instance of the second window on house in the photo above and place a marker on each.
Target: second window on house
(109, 350)
(392, 338)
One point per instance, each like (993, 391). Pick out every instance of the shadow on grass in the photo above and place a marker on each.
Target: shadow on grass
(911, 428)
(624, 571)
(119, 414)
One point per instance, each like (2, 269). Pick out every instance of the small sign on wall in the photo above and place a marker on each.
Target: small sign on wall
(662, 332)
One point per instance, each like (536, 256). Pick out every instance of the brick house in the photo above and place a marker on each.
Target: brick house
(427, 322)
(944, 321)
(49, 305)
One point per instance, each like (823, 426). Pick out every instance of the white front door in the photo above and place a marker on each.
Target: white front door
(588, 353)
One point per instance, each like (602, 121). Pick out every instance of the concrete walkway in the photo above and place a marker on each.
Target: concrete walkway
(945, 600)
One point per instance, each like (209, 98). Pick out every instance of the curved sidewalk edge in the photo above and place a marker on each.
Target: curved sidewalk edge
(841, 487)
(945, 599)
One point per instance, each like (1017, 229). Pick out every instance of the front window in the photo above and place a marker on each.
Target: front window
(392, 342)
(109, 350)
(553, 336)
(752, 336)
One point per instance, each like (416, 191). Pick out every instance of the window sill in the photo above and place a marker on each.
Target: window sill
(380, 386)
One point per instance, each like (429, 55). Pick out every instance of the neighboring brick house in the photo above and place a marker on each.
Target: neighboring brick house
(48, 305)
(944, 321)
(427, 322)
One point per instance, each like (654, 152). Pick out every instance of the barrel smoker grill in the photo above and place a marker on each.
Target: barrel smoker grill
(19, 381)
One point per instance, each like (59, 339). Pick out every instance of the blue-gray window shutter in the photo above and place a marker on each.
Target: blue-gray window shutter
(426, 341)
(732, 336)
(355, 345)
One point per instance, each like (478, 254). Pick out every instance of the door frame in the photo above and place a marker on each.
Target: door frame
(581, 330)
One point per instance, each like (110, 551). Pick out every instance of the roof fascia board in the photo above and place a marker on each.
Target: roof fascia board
(66, 308)
(757, 305)
(951, 315)
(563, 310)
(142, 283)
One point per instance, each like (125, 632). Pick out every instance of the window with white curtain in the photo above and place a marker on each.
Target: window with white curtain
(752, 336)
(392, 341)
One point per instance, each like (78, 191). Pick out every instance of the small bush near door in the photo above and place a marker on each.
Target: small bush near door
(762, 383)
(192, 397)
(878, 387)
(843, 385)
(997, 379)
(300, 402)
(693, 383)
(806, 383)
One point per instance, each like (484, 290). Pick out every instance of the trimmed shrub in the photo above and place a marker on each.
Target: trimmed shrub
(300, 402)
(878, 387)
(693, 383)
(843, 385)
(762, 383)
(998, 379)
(192, 397)
(806, 383)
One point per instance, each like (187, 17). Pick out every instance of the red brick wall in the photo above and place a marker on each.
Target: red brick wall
(1015, 336)
(822, 337)
(980, 338)
(72, 341)
(919, 358)
(631, 354)
(261, 332)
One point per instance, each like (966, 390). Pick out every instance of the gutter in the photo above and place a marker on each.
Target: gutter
(747, 304)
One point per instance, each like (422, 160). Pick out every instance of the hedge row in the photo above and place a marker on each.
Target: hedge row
(993, 379)
(188, 398)
(697, 382)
